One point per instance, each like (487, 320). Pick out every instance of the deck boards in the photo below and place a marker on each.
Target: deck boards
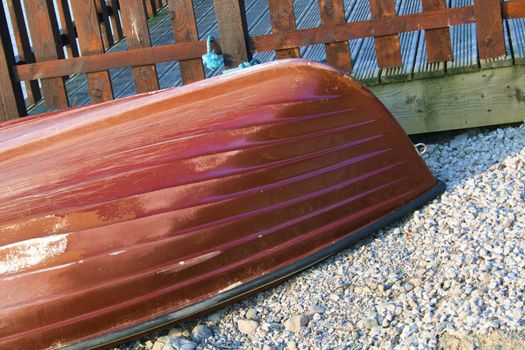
(415, 64)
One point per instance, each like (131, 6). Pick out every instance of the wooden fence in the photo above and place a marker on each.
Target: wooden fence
(98, 24)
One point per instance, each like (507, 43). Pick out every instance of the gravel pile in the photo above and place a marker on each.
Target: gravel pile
(450, 276)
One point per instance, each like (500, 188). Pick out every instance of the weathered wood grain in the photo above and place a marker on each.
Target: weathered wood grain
(489, 26)
(185, 30)
(68, 29)
(337, 53)
(438, 40)
(44, 31)
(388, 48)
(135, 25)
(283, 20)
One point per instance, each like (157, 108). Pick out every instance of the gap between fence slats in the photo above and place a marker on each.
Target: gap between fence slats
(185, 30)
(90, 40)
(283, 20)
(135, 26)
(44, 30)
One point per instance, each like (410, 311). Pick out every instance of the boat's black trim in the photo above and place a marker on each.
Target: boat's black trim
(260, 282)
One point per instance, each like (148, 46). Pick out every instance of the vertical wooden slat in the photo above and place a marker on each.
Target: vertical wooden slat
(47, 46)
(90, 41)
(135, 26)
(438, 40)
(388, 49)
(185, 29)
(283, 20)
(150, 8)
(115, 20)
(337, 54)
(12, 103)
(23, 46)
(489, 24)
(233, 31)
(67, 27)
(105, 27)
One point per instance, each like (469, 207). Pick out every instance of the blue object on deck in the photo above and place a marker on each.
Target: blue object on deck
(246, 64)
(211, 59)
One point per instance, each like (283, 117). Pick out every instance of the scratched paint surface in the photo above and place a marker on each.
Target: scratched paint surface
(113, 214)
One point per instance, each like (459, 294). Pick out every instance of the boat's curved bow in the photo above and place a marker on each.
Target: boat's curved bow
(125, 216)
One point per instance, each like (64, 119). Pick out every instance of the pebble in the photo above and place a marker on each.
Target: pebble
(247, 326)
(200, 333)
(449, 274)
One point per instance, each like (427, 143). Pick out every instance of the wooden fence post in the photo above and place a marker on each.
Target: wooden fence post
(135, 25)
(283, 20)
(388, 48)
(438, 40)
(23, 46)
(47, 46)
(233, 31)
(489, 24)
(105, 27)
(90, 40)
(115, 20)
(12, 104)
(185, 29)
(337, 54)
(67, 27)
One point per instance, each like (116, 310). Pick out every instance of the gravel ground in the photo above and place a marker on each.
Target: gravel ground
(449, 276)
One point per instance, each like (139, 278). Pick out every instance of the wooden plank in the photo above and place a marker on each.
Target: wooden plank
(105, 27)
(68, 28)
(283, 20)
(114, 17)
(513, 9)
(363, 29)
(89, 38)
(150, 8)
(464, 44)
(12, 103)
(469, 100)
(338, 53)
(41, 20)
(503, 61)
(424, 69)
(409, 43)
(23, 46)
(185, 30)
(388, 49)
(135, 26)
(489, 26)
(438, 40)
(233, 31)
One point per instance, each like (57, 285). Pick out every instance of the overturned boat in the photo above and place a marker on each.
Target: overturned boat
(121, 218)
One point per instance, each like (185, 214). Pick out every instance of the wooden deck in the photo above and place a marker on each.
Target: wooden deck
(424, 97)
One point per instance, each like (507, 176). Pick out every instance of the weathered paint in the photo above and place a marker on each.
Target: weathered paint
(166, 199)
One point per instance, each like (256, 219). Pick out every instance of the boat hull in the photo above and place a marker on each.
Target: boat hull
(123, 217)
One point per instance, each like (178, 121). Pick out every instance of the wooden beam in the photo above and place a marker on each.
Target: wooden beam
(283, 20)
(89, 38)
(185, 30)
(438, 40)
(23, 46)
(135, 25)
(489, 25)
(151, 9)
(337, 53)
(388, 49)
(68, 28)
(105, 27)
(41, 20)
(232, 31)
(489, 97)
(12, 103)
(115, 20)
(513, 9)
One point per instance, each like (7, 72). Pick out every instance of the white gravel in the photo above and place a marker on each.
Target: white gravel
(451, 275)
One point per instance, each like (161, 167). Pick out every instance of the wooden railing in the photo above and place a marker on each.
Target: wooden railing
(100, 23)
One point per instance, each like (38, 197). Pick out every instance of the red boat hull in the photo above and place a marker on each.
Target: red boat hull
(125, 216)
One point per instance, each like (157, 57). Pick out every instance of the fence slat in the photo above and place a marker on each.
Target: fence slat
(185, 29)
(233, 31)
(23, 46)
(136, 30)
(438, 40)
(12, 103)
(90, 41)
(105, 27)
(489, 24)
(388, 48)
(115, 20)
(41, 19)
(283, 20)
(68, 29)
(150, 8)
(337, 53)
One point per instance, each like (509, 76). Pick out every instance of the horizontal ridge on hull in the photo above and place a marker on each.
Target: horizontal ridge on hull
(119, 217)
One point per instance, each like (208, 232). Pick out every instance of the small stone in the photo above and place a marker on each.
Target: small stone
(200, 332)
(316, 310)
(247, 326)
(296, 323)
(176, 332)
(370, 322)
(251, 314)
(160, 343)
(267, 347)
